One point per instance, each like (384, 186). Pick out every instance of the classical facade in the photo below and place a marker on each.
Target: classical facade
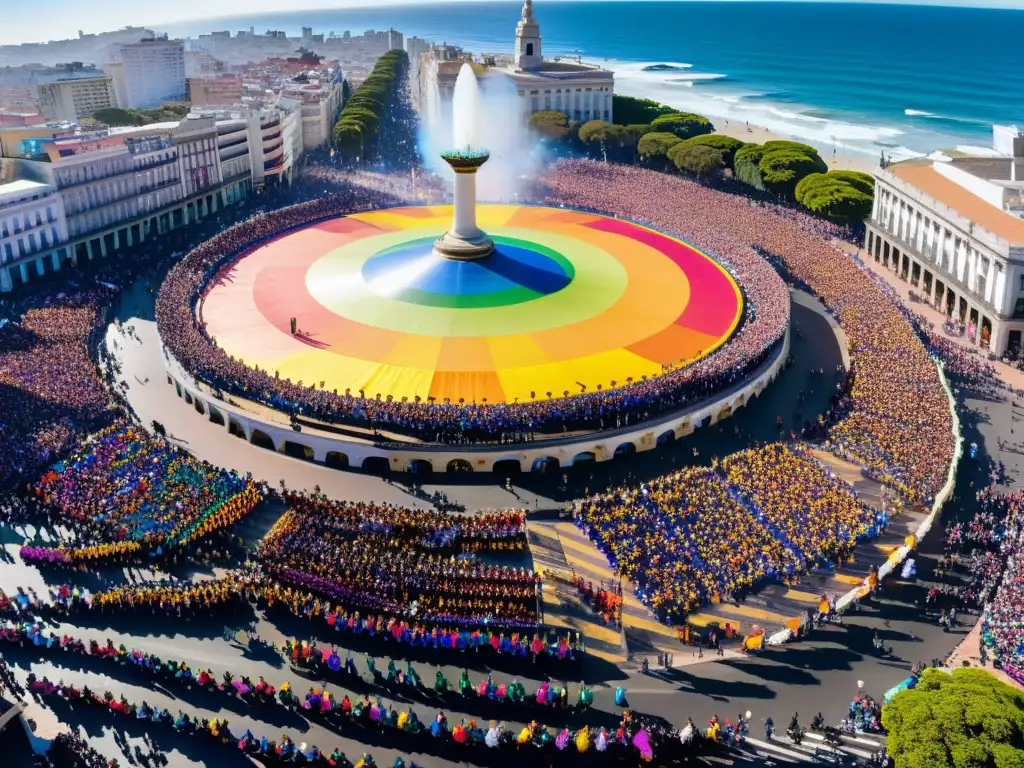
(953, 230)
(93, 193)
(582, 91)
(31, 223)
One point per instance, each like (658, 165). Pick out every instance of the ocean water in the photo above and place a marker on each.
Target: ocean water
(906, 80)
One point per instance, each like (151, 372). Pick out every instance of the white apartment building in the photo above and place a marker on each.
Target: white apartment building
(76, 98)
(270, 140)
(118, 187)
(31, 225)
(318, 104)
(953, 230)
(148, 73)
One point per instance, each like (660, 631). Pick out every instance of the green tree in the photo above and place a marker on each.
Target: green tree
(782, 168)
(629, 110)
(832, 195)
(685, 125)
(727, 145)
(966, 719)
(115, 116)
(550, 125)
(797, 146)
(746, 165)
(865, 182)
(346, 91)
(696, 159)
(654, 146)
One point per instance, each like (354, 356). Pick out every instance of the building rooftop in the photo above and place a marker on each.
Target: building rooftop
(22, 188)
(924, 177)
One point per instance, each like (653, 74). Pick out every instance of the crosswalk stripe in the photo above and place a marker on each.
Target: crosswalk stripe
(844, 747)
(775, 747)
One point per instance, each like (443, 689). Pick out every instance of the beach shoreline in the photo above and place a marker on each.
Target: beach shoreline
(758, 135)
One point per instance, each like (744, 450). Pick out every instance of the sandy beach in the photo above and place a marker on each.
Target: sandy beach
(758, 135)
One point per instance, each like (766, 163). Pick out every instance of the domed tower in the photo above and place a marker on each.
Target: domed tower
(528, 53)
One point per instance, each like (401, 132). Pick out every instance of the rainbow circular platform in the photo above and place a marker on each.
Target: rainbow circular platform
(568, 301)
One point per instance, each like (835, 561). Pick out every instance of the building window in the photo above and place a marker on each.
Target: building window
(1022, 282)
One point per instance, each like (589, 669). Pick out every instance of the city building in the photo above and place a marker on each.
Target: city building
(116, 187)
(31, 225)
(582, 91)
(148, 73)
(214, 90)
(953, 229)
(73, 99)
(272, 135)
(396, 40)
(319, 104)
(415, 47)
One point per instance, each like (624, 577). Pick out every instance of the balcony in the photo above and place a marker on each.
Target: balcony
(269, 141)
(144, 188)
(273, 154)
(234, 141)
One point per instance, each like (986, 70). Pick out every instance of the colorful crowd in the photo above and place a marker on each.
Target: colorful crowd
(1002, 624)
(125, 491)
(402, 562)
(338, 710)
(708, 534)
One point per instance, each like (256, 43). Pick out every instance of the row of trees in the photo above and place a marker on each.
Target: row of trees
(658, 136)
(356, 132)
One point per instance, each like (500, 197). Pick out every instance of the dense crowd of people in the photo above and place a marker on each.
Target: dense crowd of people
(50, 390)
(497, 531)
(906, 441)
(127, 490)
(402, 561)
(699, 535)
(1003, 620)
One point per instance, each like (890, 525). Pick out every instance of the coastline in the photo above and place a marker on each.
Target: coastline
(758, 135)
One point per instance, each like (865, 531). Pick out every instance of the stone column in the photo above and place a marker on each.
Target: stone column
(464, 223)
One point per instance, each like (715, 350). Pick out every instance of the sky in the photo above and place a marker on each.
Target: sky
(41, 20)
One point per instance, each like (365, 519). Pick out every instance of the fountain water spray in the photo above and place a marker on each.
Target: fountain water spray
(465, 241)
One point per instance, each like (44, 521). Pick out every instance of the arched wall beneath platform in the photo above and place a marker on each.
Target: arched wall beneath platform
(602, 446)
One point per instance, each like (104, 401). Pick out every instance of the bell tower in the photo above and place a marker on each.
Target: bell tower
(528, 53)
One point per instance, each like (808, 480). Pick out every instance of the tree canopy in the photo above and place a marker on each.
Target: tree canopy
(356, 130)
(656, 144)
(629, 110)
(783, 164)
(831, 195)
(697, 159)
(685, 125)
(116, 116)
(865, 182)
(967, 719)
(550, 124)
(727, 145)
(746, 165)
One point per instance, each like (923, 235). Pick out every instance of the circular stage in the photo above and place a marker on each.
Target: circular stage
(568, 302)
